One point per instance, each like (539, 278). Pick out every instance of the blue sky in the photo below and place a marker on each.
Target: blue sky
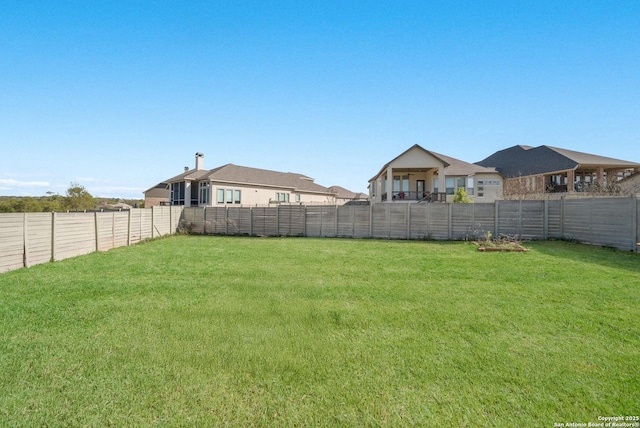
(118, 96)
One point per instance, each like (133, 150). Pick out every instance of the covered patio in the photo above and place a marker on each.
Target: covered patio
(413, 176)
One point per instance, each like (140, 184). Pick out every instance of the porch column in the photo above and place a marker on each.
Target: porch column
(571, 180)
(187, 193)
(389, 184)
(600, 175)
(442, 182)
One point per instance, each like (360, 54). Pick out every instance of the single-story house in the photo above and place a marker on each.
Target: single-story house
(157, 195)
(344, 196)
(420, 175)
(547, 169)
(233, 185)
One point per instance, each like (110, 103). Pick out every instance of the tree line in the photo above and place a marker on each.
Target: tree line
(76, 198)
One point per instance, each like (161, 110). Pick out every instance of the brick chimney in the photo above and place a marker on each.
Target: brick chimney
(199, 161)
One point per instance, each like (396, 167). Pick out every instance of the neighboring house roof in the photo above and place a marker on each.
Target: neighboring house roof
(452, 166)
(457, 167)
(236, 174)
(159, 188)
(122, 205)
(524, 160)
(343, 193)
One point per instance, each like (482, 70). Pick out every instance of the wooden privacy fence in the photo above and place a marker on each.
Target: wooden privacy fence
(34, 238)
(28, 239)
(613, 222)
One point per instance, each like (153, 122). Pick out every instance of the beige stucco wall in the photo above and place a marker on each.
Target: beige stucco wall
(415, 158)
(257, 196)
(491, 192)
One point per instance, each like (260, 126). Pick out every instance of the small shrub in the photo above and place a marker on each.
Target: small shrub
(461, 197)
(500, 243)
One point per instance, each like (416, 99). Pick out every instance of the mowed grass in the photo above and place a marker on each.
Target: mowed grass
(214, 331)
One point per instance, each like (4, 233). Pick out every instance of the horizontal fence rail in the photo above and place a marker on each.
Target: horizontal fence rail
(28, 239)
(613, 222)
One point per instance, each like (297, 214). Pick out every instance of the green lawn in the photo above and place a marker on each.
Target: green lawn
(211, 331)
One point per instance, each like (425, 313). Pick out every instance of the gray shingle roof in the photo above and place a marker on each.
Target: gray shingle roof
(458, 167)
(523, 160)
(231, 173)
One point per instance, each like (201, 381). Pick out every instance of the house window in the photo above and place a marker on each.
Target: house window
(470, 185)
(450, 185)
(229, 196)
(480, 188)
(297, 197)
(400, 183)
(177, 193)
(203, 198)
(435, 185)
(460, 183)
(282, 197)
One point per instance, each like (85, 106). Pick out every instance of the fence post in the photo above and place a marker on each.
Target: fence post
(388, 207)
(304, 220)
(250, 221)
(25, 241)
(226, 221)
(473, 217)
(545, 220)
(634, 225)
(561, 218)
(428, 219)
(278, 220)
(204, 220)
(53, 236)
(96, 229)
(450, 221)
(370, 219)
(153, 222)
(129, 229)
(336, 221)
(520, 218)
(353, 222)
(408, 220)
(496, 220)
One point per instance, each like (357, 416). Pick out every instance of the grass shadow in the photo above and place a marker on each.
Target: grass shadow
(603, 256)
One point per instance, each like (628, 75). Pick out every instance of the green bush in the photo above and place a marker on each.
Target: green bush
(462, 197)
